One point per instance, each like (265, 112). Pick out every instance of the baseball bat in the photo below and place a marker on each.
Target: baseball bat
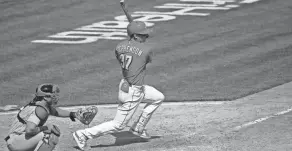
(129, 17)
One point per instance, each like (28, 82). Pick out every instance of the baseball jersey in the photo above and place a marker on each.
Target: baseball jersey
(133, 57)
(26, 114)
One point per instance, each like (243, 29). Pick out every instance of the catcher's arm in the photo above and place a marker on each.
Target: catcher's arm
(129, 17)
(85, 115)
(63, 113)
(34, 120)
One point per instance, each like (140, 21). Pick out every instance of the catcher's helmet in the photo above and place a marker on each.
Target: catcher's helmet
(137, 27)
(48, 90)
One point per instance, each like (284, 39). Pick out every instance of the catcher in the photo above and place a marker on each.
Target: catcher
(31, 132)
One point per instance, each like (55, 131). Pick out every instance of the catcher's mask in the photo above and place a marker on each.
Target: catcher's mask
(50, 92)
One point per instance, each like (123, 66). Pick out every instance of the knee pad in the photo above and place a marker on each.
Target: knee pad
(48, 143)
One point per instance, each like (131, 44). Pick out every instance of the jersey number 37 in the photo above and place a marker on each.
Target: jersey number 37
(126, 61)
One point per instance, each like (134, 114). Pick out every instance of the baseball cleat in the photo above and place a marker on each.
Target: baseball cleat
(80, 140)
(142, 134)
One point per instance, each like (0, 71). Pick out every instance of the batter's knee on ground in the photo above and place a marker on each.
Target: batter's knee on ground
(48, 143)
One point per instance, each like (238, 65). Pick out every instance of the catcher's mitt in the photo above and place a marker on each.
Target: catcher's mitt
(86, 115)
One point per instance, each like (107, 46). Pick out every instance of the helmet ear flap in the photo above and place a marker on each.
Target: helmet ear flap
(129, 31)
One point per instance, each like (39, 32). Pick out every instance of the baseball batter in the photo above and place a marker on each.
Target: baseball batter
(28, 132)
(133, 55)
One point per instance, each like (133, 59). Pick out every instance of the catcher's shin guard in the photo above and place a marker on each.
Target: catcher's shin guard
(48, 143)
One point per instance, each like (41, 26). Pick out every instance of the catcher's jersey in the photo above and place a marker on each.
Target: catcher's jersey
(133, 57)
(26, 114)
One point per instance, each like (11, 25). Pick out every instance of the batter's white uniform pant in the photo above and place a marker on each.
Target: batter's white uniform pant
(128, 103)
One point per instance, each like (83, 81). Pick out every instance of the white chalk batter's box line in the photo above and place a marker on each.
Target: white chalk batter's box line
(261, 119)
(244, 125)
(185, 148)
(237, 128)
(116, 29)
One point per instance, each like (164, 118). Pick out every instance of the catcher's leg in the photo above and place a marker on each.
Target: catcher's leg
(21, 143)
(153, 98)
(48, 143)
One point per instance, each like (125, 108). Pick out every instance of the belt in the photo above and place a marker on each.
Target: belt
(7, 138)
(130, 84)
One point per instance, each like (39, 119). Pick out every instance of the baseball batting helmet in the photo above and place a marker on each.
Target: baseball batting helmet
(137, 27)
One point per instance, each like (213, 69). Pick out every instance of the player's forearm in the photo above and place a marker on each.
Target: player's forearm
(129, 17)
(64, 113)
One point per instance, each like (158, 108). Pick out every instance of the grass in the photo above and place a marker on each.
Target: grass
(219, 58)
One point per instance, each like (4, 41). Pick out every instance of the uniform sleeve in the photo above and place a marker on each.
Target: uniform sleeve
(41, 114)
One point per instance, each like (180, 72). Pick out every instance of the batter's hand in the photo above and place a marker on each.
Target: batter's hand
(122, 2)
(129, 17)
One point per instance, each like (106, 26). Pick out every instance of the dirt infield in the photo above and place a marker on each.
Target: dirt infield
(194, 126)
